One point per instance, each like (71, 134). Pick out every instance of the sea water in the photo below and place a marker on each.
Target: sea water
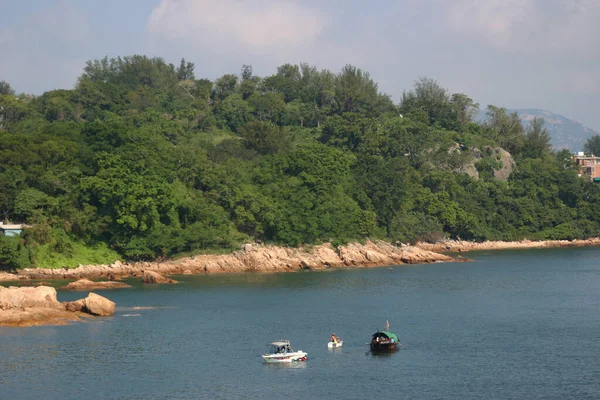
(511, 325)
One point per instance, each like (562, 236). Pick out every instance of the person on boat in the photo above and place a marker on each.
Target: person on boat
(333, 338)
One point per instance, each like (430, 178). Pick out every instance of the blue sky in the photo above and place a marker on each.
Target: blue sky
(512, 53)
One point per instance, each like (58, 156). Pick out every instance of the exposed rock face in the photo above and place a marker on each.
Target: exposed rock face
(464, 246)
(86, 284)
(74, 306)
(154, 277)
(97, 305)
(507, 163)
(29, 297)
(263, 258)
(247, 247)
(499, 154)
(35, 317)
(29, 306)
(258, 258)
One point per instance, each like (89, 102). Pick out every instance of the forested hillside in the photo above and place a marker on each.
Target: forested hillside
(143, 160)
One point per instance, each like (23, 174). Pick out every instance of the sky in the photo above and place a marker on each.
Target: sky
(510, 53)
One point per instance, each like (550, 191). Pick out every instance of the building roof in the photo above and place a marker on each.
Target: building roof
(11, 226)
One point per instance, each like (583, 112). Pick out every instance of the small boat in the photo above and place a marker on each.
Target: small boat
(384, 341)
(281, 352)
(334, 342)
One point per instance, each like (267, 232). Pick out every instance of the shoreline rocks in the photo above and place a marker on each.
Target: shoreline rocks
(97, 305)
(269, 259)
(154, 277)
(34, 306)
(254, 258)
(461, 246)
(86, 284)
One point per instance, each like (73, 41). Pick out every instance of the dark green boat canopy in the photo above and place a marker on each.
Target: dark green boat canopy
(386, 334)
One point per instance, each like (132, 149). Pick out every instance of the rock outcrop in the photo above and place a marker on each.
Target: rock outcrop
(35, 317)
(97, 305)
(155, 277)
(263, 258)
(459, 246)
(30, 306)
(503, 158)
(86, 284)
(74, 306)
(29, 297)
(254, 258)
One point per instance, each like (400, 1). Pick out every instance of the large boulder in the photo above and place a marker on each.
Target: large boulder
(505, 162)
(97, 305)
(30, 306)
(29, 297)
(35, 316)
(74, 306)
(155, 277)
(86, 284)
(247, 247)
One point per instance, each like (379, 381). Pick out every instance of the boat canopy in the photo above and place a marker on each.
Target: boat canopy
(386, 334)
(280, 343)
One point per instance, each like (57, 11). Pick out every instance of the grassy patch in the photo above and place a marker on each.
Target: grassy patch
(80, 254)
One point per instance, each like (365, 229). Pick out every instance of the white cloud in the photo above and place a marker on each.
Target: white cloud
(540, 27)
(493, 20)
(261, 25)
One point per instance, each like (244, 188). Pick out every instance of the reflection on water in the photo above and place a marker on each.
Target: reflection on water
(292, 365)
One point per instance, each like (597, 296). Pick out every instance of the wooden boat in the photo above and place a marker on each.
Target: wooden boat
(384, 341)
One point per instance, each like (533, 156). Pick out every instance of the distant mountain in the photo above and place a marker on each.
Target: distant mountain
(565, 133)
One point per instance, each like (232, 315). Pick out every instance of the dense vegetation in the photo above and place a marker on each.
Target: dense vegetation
(141, 161)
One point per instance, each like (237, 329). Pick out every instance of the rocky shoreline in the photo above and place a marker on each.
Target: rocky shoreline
(32, 306)
(264, 258)
(252, 258)
(461, 246)
(35, 306)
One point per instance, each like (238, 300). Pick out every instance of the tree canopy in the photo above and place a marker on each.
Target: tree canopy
(144, 160)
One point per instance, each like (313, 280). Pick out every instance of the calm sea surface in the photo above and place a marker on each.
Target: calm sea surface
(512, 325)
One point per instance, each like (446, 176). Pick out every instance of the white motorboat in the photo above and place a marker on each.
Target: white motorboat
(281, 352)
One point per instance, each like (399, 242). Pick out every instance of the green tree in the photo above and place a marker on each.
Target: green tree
(592, 145)
(431, 100)
(6, 89)
(12, 111)
(267, 106)
(264, 137)
(537, 140)
(225, 86)
(505, 129)
(233, 112)
(355, 91)
(185, 71)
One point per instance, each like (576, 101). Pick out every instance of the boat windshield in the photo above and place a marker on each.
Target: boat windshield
(280, 348)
